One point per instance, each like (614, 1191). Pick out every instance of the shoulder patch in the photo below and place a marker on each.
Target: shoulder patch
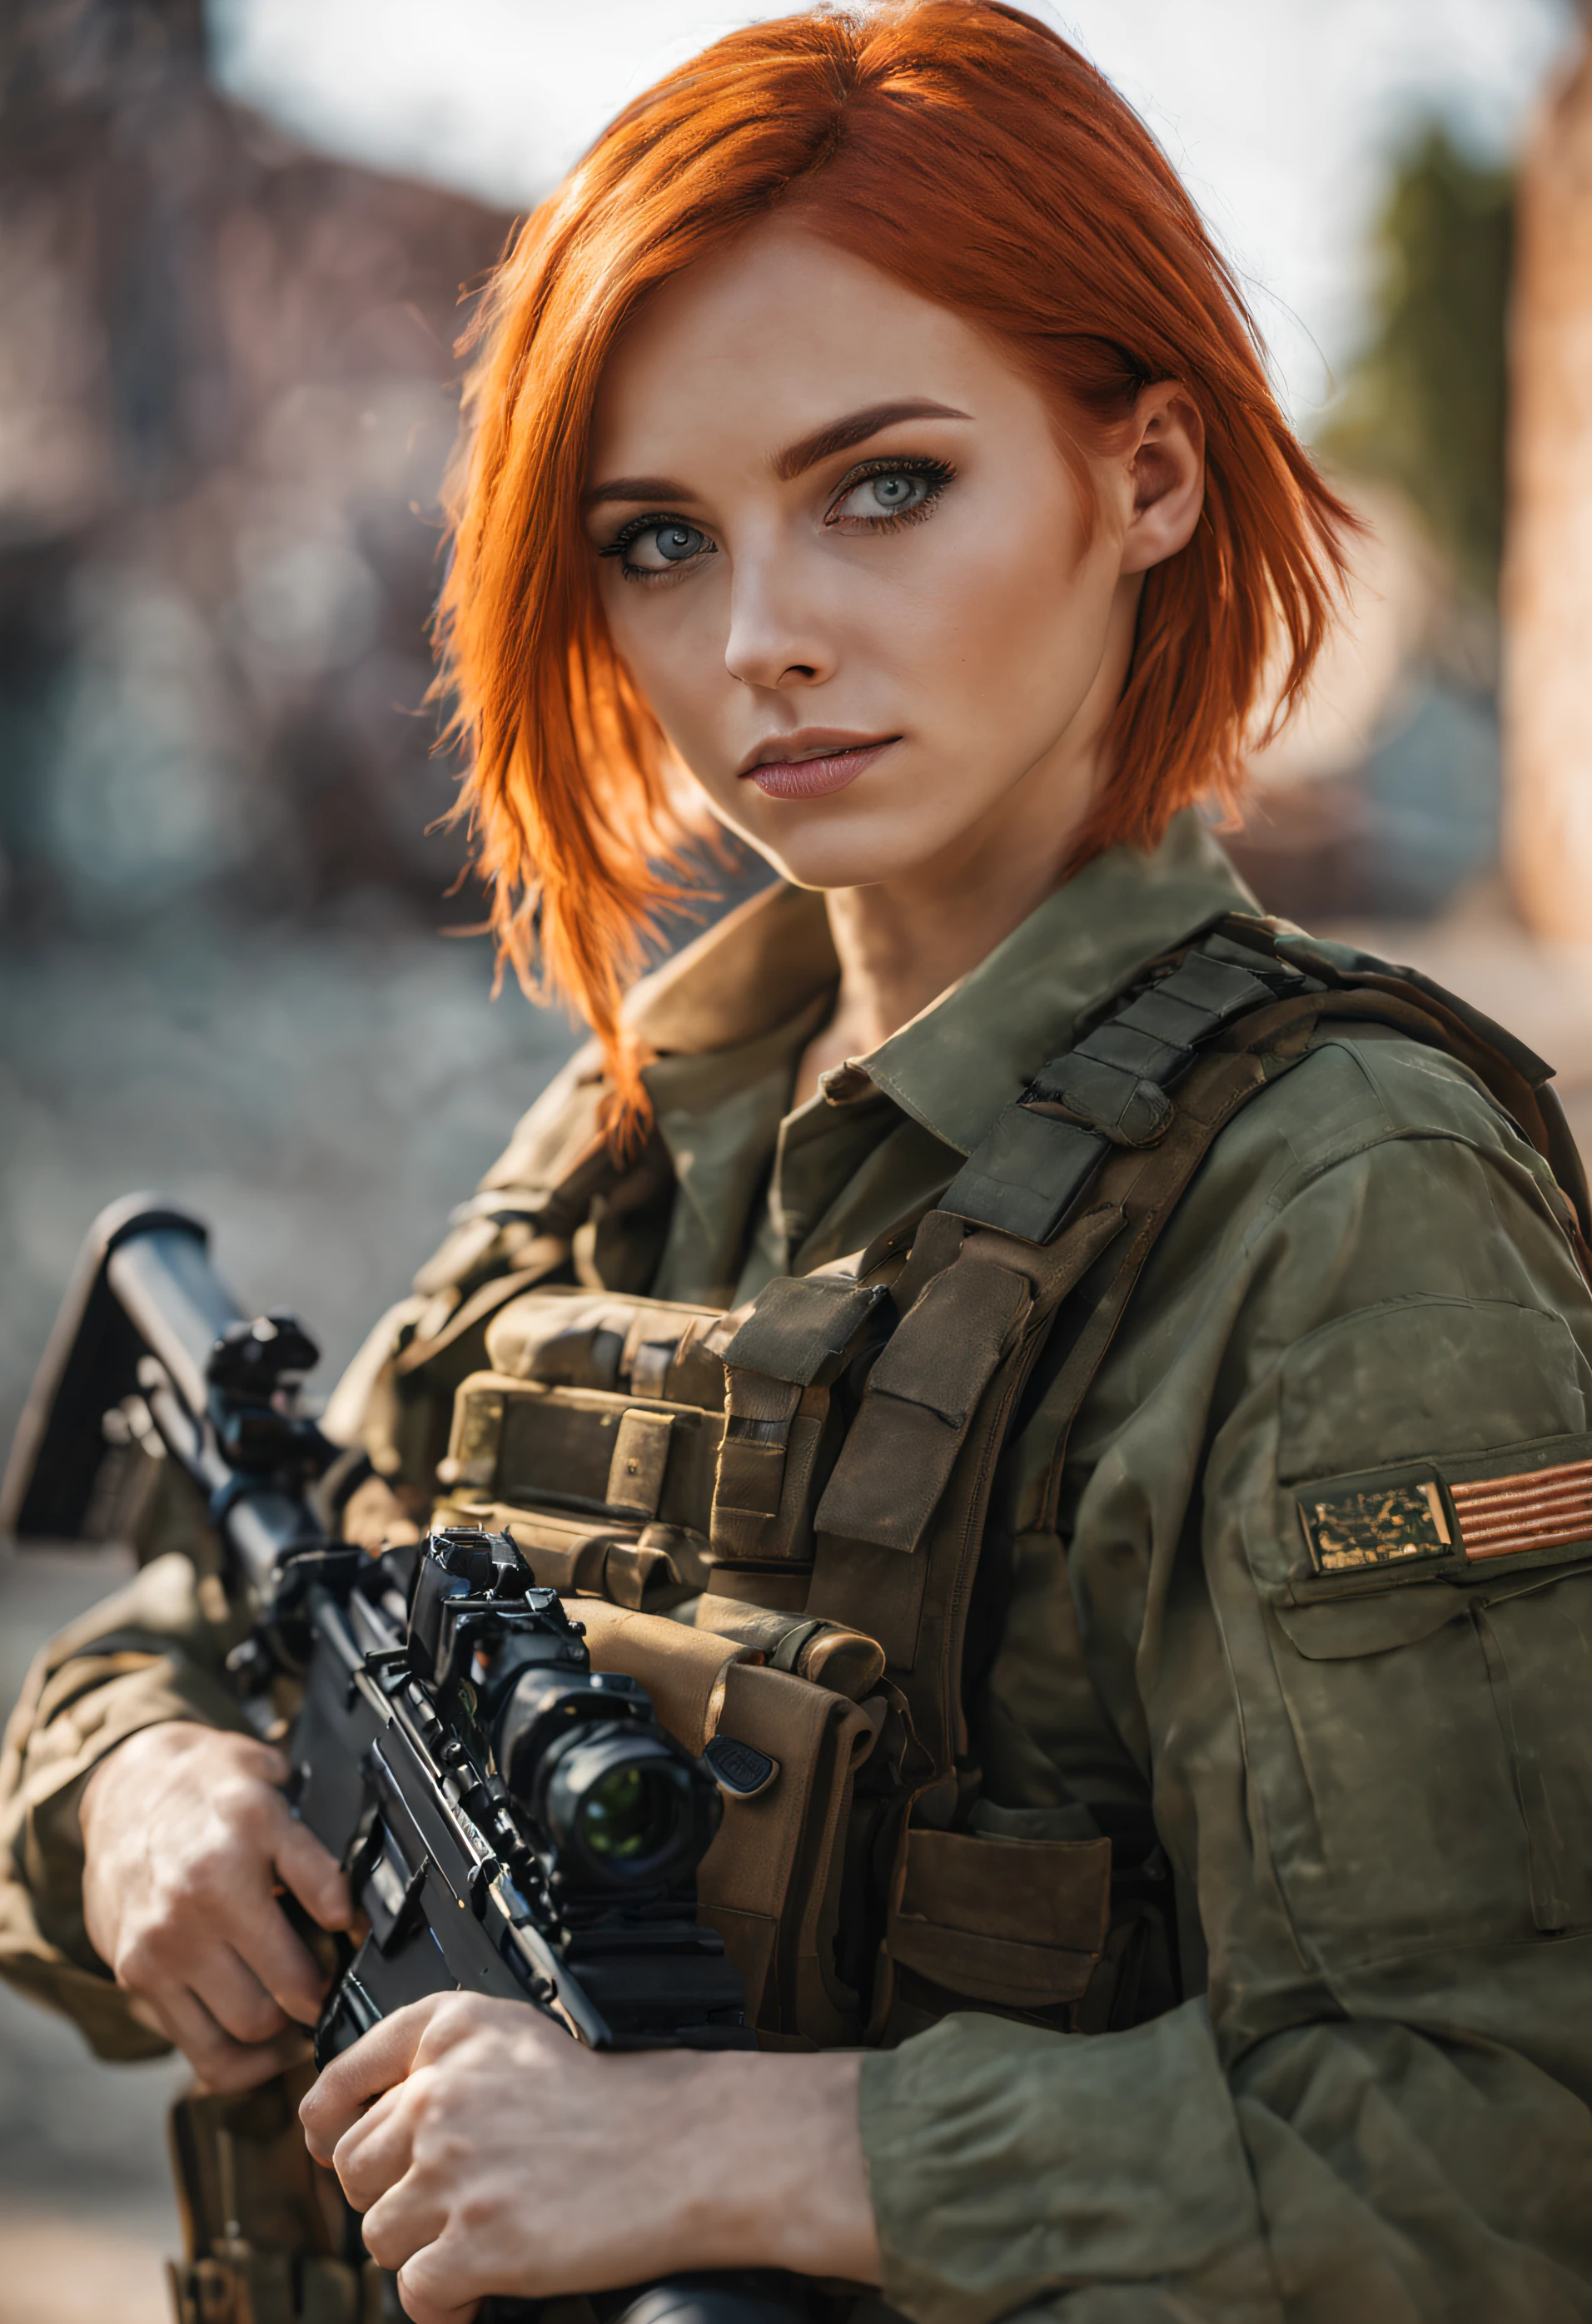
(1384, 1525)
(1533, 1509)
(1450, 1519)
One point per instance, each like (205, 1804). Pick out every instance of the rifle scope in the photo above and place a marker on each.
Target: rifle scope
(613, 1803)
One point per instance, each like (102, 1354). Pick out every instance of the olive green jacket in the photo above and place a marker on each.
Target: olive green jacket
(1374, 1787)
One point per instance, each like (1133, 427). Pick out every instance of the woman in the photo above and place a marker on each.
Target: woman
(871, 448)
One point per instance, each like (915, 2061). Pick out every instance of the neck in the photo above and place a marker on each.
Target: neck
(902, 943)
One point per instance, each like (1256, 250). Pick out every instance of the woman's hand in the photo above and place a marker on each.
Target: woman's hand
(187, 1844)
(500, 2156)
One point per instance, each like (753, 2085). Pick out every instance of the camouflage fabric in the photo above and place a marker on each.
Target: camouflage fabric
(1357, 1362)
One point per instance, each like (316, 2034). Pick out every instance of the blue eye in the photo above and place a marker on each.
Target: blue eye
(893, 492)
(887, 492)
(657, 547)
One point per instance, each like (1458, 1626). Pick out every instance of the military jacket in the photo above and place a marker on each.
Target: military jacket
(1374, 1789)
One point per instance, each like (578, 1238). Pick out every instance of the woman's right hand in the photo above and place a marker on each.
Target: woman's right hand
(188, 1845)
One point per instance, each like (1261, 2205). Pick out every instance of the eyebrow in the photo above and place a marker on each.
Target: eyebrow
(838, 435)
(842, 435)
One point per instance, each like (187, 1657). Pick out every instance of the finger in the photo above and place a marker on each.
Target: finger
(404, 2220)
(376, 2153)
(378, 2060)
(280, 1960)
(244, 2066)
(148, 2014)
(313, 1874)
(224, 1982)
(221, 2063)
(430, 2284)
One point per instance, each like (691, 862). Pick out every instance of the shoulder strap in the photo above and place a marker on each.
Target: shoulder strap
(1045, 1150)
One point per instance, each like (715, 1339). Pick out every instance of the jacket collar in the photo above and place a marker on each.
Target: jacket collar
(762, 968)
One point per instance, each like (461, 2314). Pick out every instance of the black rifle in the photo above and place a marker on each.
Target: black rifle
(513, 1823)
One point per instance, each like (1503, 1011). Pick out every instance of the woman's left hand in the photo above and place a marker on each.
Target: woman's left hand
(501, 2156)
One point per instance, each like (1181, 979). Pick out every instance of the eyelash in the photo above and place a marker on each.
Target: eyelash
(936, 474)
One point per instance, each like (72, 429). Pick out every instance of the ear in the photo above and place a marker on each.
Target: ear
(1166, 471)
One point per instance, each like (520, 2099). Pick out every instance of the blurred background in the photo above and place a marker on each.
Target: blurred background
(237, 247)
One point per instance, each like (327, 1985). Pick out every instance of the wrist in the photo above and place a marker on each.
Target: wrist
(778, 2178)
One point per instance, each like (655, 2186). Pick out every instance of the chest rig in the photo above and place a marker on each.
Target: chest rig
(773, 1517)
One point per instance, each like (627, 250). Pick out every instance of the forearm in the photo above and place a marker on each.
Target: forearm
(764, 2159)
(149, 1655)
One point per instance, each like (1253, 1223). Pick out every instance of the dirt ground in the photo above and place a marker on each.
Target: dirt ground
(324, 1100)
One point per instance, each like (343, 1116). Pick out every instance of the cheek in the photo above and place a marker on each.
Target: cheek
(1006, 605)
(672, 642)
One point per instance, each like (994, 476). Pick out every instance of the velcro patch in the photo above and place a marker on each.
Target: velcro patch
(1540, 1508)
(1385, 1524)
(1453, 1515)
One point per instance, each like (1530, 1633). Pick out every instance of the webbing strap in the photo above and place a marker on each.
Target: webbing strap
(1045, 1150)
(1098, 1255)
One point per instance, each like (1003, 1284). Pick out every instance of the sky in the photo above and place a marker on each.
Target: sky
(1281, 115)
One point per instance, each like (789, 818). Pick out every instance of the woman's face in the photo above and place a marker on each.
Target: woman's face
(850, 570)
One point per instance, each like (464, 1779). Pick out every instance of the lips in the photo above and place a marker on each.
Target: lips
(815, 777)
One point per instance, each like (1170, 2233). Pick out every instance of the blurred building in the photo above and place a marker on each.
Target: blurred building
(228, 391)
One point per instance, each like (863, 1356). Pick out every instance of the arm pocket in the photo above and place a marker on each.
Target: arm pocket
(1445, 1753)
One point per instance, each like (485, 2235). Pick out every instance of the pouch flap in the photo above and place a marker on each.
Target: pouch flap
(1027, 1174)
(640, 1461)
(801, 1328)
(682, 1670)
(1018, 1923)
(776, 1856)
(565, 1336)
(946, 1352)
(830, 1654)
(1338, 1629)
(898, 1455)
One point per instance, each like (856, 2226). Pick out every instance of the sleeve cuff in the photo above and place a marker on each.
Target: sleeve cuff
(1008, 2165)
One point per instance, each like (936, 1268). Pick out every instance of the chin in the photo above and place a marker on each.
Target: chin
(844, 842)
(837, 858)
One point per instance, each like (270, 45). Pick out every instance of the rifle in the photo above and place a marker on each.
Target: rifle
(512, 1822)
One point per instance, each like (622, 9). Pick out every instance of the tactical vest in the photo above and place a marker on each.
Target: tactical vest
(773, 1517)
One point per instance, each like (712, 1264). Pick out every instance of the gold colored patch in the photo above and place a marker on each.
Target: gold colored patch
(1542, 1509)
(1383, 1526)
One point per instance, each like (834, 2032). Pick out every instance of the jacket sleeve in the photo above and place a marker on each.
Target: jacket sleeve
(1374, 1786)
(154, 1652)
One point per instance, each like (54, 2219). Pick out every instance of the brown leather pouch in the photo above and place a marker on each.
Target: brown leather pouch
(770, 1883)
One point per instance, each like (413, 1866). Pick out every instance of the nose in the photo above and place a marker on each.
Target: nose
(777, 637)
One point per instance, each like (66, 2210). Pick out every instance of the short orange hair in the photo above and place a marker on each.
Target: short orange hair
(963, 148)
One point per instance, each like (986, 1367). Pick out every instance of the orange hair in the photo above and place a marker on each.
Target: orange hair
(963, 148)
